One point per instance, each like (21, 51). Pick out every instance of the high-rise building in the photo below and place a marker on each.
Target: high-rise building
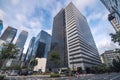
(21, 42)
(113, 7)
(42, 45)
(8, 37)
(30, 49)
(23, 58)
(72, 39)
(108, 56)
(58, 42)
(1, 26)
(9, 34)
(41, 49)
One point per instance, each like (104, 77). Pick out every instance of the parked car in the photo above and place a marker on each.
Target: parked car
(14, 73)
(23, 72)
(30, 72)
(8, 72)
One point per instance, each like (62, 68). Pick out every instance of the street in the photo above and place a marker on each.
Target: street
(112, 76)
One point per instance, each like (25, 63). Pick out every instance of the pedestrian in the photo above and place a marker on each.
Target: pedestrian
(76, 74)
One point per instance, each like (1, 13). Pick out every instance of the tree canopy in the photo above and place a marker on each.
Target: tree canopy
(8, 51)
(116, 64)
(33, 62)
(115, 37)
(55, 57)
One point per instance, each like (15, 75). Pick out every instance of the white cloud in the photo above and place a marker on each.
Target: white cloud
(95, 16)
(49, 31)
(20, 17)
(56, 9)
(2, 14)
(101, 33)
(15, 2)
(105, 44)
(82, 4)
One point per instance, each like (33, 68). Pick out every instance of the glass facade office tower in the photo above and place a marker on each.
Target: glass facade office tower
(113, 7)
(41, 45)
(9, 34)
(21, 42)
(1, 26)
(41, 49)
(72, 39)
(58, 42)
(30, 49)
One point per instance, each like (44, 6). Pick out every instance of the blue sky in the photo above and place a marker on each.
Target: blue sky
(36, 15)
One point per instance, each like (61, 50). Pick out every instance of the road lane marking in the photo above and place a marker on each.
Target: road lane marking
(115, 77)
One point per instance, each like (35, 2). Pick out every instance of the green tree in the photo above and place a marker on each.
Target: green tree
(33, 63)
(116, 64)
(99, 68)
(55, 58)
(115, 37)
(8, 51)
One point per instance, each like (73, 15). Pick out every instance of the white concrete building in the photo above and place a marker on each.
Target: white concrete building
(108, 56)
(41, 66)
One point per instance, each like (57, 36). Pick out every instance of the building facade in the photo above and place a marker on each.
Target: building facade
(39, 67)
(72, 39)
(108, 56)
(58, 42)
(29, 50)
(21, 42)
(41, 45)
(113, 7)
(82, 51)
(41, 48)
(1, 26)
(9, 34)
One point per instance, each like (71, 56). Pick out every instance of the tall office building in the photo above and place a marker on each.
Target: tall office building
(21, 42)
(30, 49)
(1, 26)
(58, 42)
(42, 45)
(41, 49)
(72, 39)
(8, 37)
(9, 34)
(113, 7)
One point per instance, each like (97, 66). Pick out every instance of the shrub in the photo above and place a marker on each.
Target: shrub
(55, 75)
(68, 74)
(2, 77)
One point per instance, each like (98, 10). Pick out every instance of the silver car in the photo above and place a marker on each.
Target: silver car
(14, 73)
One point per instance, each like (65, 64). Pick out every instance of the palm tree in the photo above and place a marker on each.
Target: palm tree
(8, 51)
